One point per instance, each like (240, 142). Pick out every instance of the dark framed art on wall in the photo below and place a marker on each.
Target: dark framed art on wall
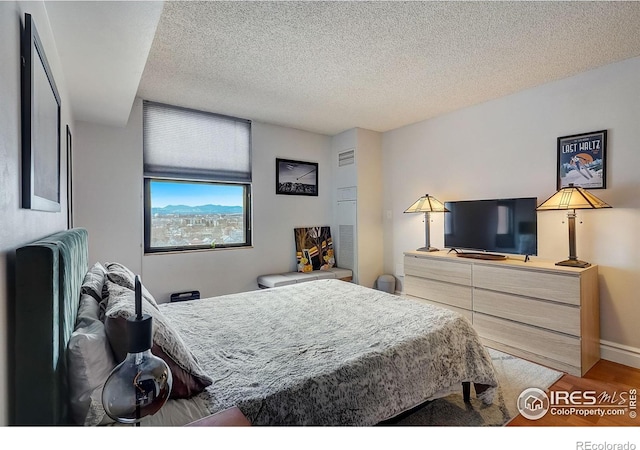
(40, 125)
(69, 179)
(296, 177)
(582, 160)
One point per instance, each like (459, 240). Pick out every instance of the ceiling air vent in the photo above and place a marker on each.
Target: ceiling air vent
(347, 157)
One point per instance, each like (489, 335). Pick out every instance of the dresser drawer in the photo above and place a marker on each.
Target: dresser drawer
(554, 316)
(564, 288)
(556, 346)
(464, 312)
(451, 294)
(438, 269)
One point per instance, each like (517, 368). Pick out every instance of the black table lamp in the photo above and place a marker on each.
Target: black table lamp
(140, 385)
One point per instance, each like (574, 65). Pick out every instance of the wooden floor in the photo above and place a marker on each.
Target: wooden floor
(604, 376)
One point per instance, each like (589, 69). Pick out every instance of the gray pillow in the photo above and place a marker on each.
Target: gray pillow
(88, 311)
(123, 276)
(90, 361)
(94, 281)
(188, 377)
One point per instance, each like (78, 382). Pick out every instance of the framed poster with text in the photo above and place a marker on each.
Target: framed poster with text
(582, 160)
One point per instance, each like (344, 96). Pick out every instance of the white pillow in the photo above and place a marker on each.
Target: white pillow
(90, 361)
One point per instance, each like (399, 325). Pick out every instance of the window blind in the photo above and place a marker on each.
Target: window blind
(182, 143)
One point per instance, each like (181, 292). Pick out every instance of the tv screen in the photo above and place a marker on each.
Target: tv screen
(499, 226)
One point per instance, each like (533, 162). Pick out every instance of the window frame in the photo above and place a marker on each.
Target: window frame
(220, 175)
(247, 206)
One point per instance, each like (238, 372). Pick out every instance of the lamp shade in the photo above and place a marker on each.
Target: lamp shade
(572, 197)
(426, 203)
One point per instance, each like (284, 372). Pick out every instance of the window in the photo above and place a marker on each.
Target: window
(197, 180)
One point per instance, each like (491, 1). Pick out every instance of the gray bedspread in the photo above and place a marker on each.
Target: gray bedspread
(328, 352)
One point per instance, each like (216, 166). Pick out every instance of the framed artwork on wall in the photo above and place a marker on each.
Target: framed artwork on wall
(296, 177)
(582, 160)
(40, 125)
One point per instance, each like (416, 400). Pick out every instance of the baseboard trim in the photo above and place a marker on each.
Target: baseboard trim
(621, 354)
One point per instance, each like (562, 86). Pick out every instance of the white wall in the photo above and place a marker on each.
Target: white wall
(366, 215)
(370, 232)
(108, 189)
(109, 205)
(20, 226)
(345, 212)
(507, 148)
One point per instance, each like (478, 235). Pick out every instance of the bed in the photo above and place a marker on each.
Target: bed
(325, 352)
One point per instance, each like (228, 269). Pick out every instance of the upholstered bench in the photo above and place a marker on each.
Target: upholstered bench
(284, 279)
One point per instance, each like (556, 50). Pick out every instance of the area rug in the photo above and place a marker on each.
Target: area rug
(514, 376)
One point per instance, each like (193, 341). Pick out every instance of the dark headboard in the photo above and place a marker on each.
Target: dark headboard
(49, 274)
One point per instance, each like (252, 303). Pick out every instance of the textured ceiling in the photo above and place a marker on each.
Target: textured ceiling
(330, 66)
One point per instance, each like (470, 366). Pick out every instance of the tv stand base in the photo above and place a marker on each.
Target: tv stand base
(487, 256)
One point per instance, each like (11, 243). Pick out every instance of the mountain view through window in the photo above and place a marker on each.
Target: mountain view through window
(196, 214)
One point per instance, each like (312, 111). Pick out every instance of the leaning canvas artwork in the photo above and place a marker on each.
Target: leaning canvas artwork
(314, 248)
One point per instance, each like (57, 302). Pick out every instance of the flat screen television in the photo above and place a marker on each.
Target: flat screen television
(495, 226)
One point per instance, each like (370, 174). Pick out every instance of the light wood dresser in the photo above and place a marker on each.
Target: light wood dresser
(535, 310)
